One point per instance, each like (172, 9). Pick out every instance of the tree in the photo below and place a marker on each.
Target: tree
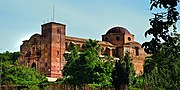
(19, 75)
(85, 66)
(123, 74)
(11, 57)
(161, 23)
(12, 74)
(70, 67)
(161, 69)
(162, 72)
(103, 74)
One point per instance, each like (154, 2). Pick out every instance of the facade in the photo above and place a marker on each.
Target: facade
(44, 51)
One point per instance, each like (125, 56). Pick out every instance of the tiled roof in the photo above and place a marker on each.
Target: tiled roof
(119, 30)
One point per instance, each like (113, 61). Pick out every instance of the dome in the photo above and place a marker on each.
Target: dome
(119, 30)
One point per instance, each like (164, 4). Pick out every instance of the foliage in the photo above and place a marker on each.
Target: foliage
(161, 23)
(123, 73)
(12, 74)
(138, 82)
(86, 67)
(11, 57)
(68, 72)
(19, 75)
(161, 69)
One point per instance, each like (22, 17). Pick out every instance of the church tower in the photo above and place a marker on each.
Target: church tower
(53, 35)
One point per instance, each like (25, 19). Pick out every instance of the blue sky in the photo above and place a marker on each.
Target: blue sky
(84, 18)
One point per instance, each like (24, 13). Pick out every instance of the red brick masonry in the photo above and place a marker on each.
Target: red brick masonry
(45, 52)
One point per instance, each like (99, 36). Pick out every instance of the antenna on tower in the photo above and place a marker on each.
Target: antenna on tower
(52, 19)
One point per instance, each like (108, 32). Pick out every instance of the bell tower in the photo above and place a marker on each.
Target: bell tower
(54, 47)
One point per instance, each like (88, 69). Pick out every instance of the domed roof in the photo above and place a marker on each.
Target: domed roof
(119, 30)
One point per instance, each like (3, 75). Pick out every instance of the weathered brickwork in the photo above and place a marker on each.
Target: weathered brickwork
(44, 52)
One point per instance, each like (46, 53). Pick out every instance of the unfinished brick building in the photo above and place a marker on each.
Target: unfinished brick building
(44, 51)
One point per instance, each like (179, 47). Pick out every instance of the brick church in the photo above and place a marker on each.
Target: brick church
(44, 51)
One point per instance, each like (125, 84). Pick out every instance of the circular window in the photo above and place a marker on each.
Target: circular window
(129, 39)
(106, 39)
(117, 38)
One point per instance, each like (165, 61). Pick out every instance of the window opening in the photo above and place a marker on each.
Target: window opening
(33, 65)
(129, 39)
(58, 31)
(117, 38)
(137, 51)
(45, 64)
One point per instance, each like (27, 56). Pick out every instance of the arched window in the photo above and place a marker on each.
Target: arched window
(33, 51)
(137, 51)
(33, 65)
(58, 52)
(58, 31)
(45, 65)
(38, 52)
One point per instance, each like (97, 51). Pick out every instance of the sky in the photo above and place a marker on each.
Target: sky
(20, 19)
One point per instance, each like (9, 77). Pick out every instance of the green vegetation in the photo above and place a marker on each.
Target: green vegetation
(162, 68)
(10, 57)
(86, 67)
(12, 74)
(161, 25)
(123, 73)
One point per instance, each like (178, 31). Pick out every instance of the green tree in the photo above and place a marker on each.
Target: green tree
(161, 69)
(11, 57)
(69, 68)
(123, 74)
(19, 75)
(85, 66)
(161, 23)
(103, 74)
